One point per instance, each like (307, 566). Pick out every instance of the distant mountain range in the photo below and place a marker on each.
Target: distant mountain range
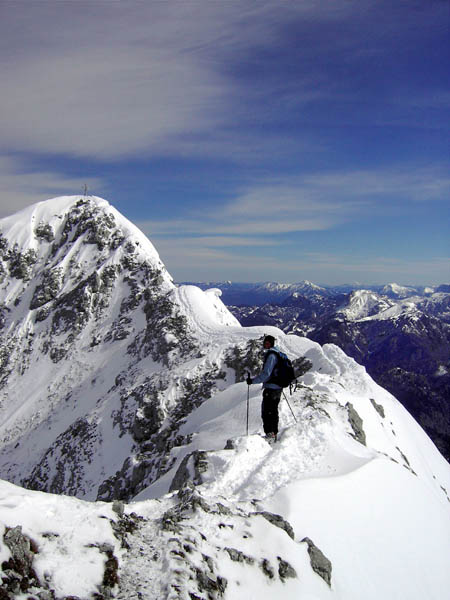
(401, 334)
(256, 294)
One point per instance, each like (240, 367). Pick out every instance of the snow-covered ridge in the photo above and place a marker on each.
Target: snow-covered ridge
(368, 305)
(117, 385)
(349, 478)
(364, 303)
(399, 291)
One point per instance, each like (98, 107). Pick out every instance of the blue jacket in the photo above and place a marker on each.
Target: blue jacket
(269, 365)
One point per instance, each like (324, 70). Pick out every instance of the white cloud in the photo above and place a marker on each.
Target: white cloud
(20, 187)
(239, 239)
(316, 202)
(96, 104)
(196, 262)
(413, 182)
(377, 269)
(109, 80)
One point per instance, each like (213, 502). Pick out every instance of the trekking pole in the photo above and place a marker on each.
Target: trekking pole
(248, 398)
(289, 406)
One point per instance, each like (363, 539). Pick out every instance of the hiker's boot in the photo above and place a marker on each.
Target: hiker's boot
(271, 438)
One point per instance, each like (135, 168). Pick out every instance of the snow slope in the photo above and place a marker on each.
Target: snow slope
(378, 511)
(352, 502)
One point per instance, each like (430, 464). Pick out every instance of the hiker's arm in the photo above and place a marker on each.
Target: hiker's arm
(265, 374)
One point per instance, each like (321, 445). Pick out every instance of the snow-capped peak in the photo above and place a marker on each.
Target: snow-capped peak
(398, 291)
(364, 303)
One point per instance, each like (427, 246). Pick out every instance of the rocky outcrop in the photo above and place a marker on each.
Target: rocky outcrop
(18, 575)
(320, 564)
(278, 521)
(197, 556)
(356, 424)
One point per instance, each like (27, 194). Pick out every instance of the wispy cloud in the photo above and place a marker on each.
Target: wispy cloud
(242, 236)
(413, 182)
(20, 186)
(315, 202)
(379, 269)
(105, 104)
(196, 262)
(109, 80)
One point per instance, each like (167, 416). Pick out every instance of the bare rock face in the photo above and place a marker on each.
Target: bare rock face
(319, 562)
(278, 521)
(18, 574)
(356, 424)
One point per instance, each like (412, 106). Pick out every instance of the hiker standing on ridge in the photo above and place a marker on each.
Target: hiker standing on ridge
(271, 391)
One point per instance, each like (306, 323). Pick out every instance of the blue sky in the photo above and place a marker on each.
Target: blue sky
(250, 140)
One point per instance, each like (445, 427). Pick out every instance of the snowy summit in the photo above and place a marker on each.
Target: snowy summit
(127, 471)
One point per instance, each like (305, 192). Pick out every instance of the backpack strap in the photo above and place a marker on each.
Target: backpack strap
(277, 354)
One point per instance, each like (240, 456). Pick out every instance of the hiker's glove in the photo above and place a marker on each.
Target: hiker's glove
(249, 380)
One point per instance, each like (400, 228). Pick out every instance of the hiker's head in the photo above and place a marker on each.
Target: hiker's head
(269, 341)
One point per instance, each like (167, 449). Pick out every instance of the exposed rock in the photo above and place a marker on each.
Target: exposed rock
(214, 587)
(285, 570)
(48, 289)
(18, 573)
(319, 562)
(18, 577)
(238, 556)
(356, 423)
(247, 359)
(278, 521)
(124, 525)
(191, 468)
(378, 408)
(44, 231)
(21, 263)
(267, 568)
(59, 471)
(111, 570)
(118, 507)
(191, 498)
(301, 366)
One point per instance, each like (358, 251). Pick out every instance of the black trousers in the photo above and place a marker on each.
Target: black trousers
(269, 410)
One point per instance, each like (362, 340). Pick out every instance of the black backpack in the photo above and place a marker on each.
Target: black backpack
(283, 373)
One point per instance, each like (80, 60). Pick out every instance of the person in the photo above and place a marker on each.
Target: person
(271, 390)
